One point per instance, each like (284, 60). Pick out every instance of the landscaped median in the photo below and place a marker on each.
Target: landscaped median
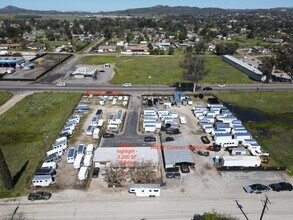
(271, 120)
(27, 132)
(166, 70)
(4, 97)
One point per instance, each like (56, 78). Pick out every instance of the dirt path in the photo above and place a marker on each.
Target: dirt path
(11, 102)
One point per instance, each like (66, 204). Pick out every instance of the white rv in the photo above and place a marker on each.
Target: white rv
(78, 161)
(88, 159)
(71, 155)
(100, 123)
(241, 161)
(52, 165)
(60, 143)
(96, 133)
(58, 151)
(89, 149)
(112, 127)
(89, 130)
(42, 180)
(83, 173)
(150, 190)
(94, 121)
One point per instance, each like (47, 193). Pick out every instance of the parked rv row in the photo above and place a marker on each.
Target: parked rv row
(162, 119)
(115, 121)
(82, 159)
(70, 126)
(229, 133)
(44, 176)
(96, 125)
(178, 99)
(114, 100)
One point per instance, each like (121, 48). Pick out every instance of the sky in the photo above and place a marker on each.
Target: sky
(112, 5)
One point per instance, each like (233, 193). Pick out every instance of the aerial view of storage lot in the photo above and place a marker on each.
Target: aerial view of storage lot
(160, 112)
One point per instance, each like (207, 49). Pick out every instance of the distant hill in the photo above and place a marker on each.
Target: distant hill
(158, 10)
(15, 10)
(167, 10)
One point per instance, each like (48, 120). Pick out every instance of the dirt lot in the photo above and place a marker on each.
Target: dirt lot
(66, 175)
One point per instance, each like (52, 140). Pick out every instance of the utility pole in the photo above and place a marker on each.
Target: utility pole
(264, 207)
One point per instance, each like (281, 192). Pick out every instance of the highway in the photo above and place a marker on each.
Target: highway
(35, 86)
(77, 204)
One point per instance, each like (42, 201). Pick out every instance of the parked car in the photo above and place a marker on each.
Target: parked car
(126, 85)
(256, 188)
(205, 140)
(207, 88)
(65, 134)
(61, 84)
(96, 172)
(203, 153)
(184, 168)
(282, 186)
(149, 139)
(169, 139)
(39, 196)
(214, 147)
(172, 131)
(108, 135)
(177, 176)
(170, 175)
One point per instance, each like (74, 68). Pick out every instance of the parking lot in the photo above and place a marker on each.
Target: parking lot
(203, 177)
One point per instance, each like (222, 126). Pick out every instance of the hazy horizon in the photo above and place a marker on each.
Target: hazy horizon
(98, 6)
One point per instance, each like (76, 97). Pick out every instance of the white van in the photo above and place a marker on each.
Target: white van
(126, 85)
(83, 173)
(78, 161)
(52, 165)
(58, 151)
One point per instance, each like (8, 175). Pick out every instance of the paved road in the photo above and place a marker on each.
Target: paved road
(80, 205)
(18, 86)
(129, 136)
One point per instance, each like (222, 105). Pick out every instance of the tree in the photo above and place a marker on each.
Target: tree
(199, 47)
(171, 50)
(5, 174)
(181, 36)
(142, 172)
(226, 49)
(129, 37)
(115, 175)
(268, 67)
(284, 59)
(194, 67)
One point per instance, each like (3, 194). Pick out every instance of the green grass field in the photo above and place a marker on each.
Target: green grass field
(221, 72)
(165, 70)
(245, 42)
(275, 134)
(27, 131)
(4, 97)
